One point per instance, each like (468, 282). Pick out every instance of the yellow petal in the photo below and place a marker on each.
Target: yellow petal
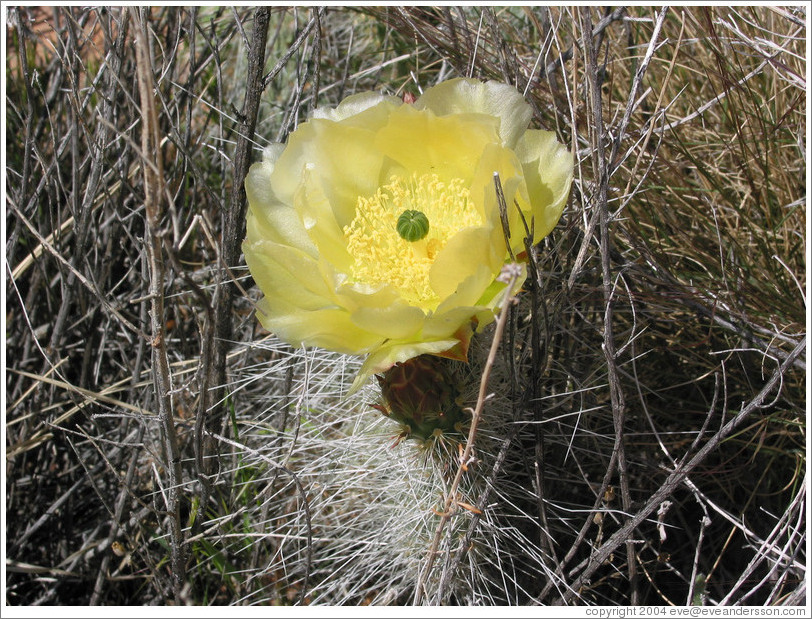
(388, 355)
(511, 178)
(469, 304)
(395, 322)
(494, 158)
(467, 295)
(419, 142)
(341, 158)
(548, 172)
(349, 165)
(364, 108)
(321, 225)
(466, 95)
(495, 295)
(269, 218)
(272, 152)
(327, 328)
(277, 269)
(465, 253)
(354, 295)
(445, 325)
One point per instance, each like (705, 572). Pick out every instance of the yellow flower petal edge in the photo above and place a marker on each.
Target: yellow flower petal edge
(375, 230)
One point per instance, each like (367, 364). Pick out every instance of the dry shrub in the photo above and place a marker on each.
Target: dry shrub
(646, 444)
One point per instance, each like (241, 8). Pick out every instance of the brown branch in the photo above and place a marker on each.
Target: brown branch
(678, 476)
(601, 170)
(511, 274)
(153, 195)
(617, 15)
(468, 540)
(219, 334)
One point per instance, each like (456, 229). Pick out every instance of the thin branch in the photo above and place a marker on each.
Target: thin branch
(511, 273)
(153, 195)
(233, 227)
(638, 78)
(476, 517)
(678, 476)
(601, 169)
(617, 15)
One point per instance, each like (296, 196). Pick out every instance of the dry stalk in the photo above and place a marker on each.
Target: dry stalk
(679, 475)
(476, 516)
(601, 171)
(233, 222)
(153, 197)
(218, 332)
(466, 457)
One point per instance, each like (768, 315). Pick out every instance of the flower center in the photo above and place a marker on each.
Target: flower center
(398, 232)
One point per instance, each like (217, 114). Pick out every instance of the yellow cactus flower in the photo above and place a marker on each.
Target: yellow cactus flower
(376, 229)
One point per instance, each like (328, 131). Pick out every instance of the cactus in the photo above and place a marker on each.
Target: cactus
(372, 506)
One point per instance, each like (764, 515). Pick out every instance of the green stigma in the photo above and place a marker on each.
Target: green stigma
(412, 225)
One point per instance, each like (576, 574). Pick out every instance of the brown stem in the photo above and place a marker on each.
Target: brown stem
(601, 169)
(153, 195)
(233, 224)
(680, 473)
(469, 443)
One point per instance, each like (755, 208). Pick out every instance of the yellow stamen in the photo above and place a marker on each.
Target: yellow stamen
(382, 256)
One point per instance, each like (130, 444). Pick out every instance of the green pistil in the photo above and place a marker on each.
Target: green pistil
(412, 225)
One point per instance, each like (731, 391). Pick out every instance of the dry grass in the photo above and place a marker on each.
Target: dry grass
(647, 441)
